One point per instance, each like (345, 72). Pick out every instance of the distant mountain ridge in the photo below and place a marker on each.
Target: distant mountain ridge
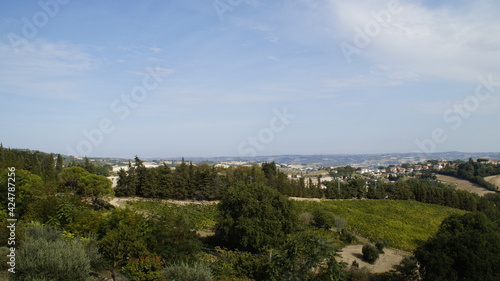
(366, 160)
(358, 160)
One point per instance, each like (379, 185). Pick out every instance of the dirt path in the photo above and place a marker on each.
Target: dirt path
(385, 262)
(494, 180)
(465, 185)
(122, 201)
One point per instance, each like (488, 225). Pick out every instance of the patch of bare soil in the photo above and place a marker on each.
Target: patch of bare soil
(465, 185)
(493, 180)
(122, 201)
(386, 262)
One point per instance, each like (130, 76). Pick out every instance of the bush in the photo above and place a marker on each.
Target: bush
(370, 253)
(146, 268)
(236, 264)
(340, 223)
(359, 274)
(186, 272)
(380, 245)
(323, 219)
(43, 256)
(4, 251)
(347, 237)
(305, 218)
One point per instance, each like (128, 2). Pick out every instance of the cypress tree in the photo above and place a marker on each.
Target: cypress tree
(59, 164)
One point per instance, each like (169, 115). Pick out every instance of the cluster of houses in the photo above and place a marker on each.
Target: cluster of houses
(416, 168)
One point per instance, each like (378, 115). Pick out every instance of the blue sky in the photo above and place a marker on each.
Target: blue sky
(241, 78)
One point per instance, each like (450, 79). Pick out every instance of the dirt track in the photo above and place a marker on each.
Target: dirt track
(121, 201)
(386, 261)
(465, 185)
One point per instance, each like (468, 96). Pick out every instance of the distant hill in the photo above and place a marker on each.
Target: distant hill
(365, 160)
(361, 160)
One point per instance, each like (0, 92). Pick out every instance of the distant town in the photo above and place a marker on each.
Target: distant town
(324, 168)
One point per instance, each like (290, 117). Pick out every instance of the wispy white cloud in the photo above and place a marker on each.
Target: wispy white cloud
(159, 71)
(44, 69)
(489, 106)
(378, 76)
(447, 41)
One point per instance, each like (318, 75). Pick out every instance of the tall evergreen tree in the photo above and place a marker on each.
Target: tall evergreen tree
(59, 164)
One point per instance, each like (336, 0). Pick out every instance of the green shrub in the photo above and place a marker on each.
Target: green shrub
(62, 259)
(236, 264)
(186, 272)
(370, 253)
(146, 268)
(323, 219)
(46, 233)
(359, 274)
(380, 245)
(347, 237)
(4, 251)
(305, 218)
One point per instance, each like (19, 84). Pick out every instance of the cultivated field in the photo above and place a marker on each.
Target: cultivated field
(465, 185)
(494, 180)
(404, 224)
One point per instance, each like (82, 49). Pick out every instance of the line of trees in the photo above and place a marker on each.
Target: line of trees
(46, 165)
(202, 182)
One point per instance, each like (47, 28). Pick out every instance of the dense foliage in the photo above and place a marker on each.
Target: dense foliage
(254, 217)
(46, 165)
(370, 253)
(201, 182)
(465, 248)
(254, 233)
(46, 255)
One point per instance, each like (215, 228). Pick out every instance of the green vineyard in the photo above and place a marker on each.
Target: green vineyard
(404, 224)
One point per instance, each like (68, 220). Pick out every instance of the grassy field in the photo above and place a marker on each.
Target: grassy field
(404, 224)
(494, 180)
(465, 185)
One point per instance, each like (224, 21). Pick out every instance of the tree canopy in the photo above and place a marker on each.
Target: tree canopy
(465, 248)
(254, 217)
